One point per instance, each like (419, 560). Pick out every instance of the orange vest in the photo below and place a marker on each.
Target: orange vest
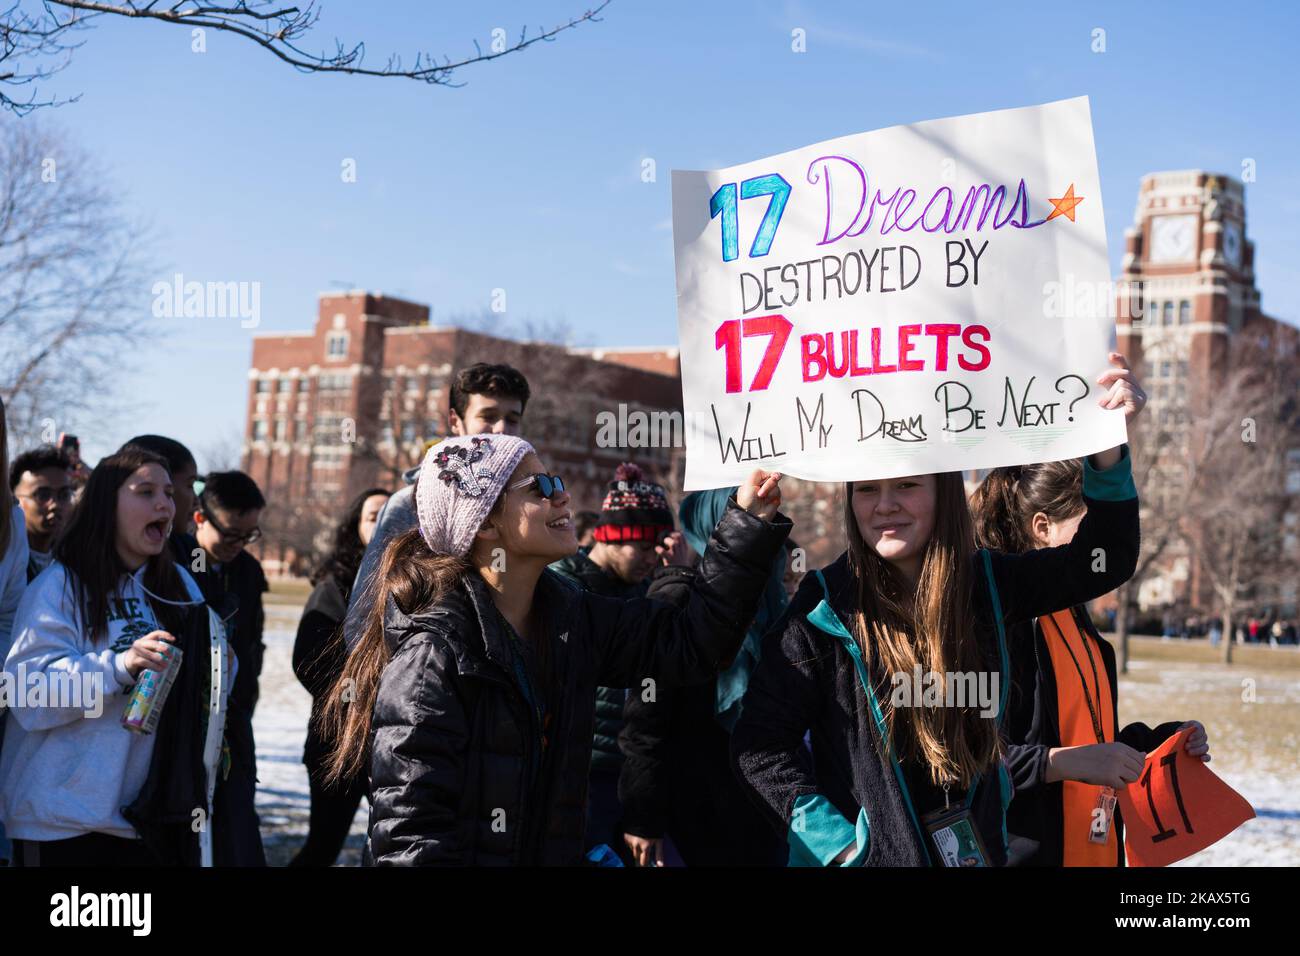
(1085, 707)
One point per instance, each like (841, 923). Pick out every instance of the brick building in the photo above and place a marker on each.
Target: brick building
(350, 404)
(1188, 316)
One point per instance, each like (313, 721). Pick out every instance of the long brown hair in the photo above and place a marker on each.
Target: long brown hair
(88, 548)
(415, 578)
(900, 627)
(1008, 498)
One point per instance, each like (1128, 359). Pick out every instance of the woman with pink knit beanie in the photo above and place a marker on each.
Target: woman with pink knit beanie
(470, 697)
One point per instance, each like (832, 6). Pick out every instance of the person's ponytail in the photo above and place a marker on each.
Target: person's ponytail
(415, 578)
(1006, 501)
(996, 510)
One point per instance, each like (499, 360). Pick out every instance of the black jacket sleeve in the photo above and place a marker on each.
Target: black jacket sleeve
(417, 764)
(645, 782)
(681, 646)
(318, 654)
(780, 704)
(1025, 749)
(1102, 556)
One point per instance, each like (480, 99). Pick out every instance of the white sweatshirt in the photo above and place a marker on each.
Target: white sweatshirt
(65, 772)
(13, 575)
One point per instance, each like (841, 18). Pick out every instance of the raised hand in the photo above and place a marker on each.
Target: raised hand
(760, 495)
(1122, 388)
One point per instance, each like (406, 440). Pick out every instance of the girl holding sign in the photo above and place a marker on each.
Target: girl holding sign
(897, 777)
(472, 690)
(1064, 754)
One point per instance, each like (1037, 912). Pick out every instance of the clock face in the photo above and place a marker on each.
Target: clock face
(1232, 244)
(1173, 239)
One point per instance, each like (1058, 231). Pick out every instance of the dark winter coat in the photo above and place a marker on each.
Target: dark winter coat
(234, 590)
(460, 773)
(605, 754)
(318, 658)
(853, 790)
(677, 779)
(1035, 820)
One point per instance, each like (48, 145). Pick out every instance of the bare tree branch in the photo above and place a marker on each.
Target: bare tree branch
(42, 35)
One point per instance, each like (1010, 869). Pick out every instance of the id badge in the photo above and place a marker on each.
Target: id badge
(1102, 816)
(953, 834)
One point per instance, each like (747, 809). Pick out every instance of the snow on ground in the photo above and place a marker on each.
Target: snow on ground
(1252, 715)
(1254, 744)
(280, 727)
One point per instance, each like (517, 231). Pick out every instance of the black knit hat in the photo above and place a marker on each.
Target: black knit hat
(634, 509)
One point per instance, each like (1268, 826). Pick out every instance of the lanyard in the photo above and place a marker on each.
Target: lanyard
(1093, 709)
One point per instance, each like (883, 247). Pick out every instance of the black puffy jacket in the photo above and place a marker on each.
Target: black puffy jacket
(455, 739)
(586, 573)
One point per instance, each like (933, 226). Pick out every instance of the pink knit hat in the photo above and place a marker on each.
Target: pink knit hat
(460, 481)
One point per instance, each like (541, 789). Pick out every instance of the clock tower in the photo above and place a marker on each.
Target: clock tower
(1187, 285)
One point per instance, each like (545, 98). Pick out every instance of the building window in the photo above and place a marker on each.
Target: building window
(1169, 314)
(286, 385)
(300, 430)
(1182, 368)
(263, 385)
(1153, 310)
(259, 430)
(280, 429)
(1184, 313)
(408, 432)
(336, 345)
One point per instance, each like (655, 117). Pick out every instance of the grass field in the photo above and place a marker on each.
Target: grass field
(1251, 710)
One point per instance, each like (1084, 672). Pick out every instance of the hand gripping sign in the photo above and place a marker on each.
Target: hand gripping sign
(1177, 807)
(933, 297)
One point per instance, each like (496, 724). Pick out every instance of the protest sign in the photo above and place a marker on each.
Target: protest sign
(1177, 807)
(924, 298)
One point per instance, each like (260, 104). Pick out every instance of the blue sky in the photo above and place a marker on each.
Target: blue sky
(528, 179)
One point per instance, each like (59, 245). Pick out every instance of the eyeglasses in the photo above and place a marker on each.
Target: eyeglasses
(43, 496)
(247, 538)
(546, 485)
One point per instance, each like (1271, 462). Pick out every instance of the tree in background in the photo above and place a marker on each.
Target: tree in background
(38, 39)
(73, 281)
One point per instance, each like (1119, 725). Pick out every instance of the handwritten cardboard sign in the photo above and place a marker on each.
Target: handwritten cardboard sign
(924, 298)
(1177, 807)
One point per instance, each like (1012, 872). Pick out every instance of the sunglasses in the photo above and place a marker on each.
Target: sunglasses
(545, 485)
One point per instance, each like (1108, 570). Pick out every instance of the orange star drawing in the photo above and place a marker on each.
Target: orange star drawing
(1064, 206)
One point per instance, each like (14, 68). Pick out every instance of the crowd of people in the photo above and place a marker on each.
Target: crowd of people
(509, 681)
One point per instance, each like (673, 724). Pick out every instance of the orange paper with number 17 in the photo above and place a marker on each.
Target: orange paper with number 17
(1177, 807)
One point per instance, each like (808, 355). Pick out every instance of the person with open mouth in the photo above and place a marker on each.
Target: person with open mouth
(106, 609)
